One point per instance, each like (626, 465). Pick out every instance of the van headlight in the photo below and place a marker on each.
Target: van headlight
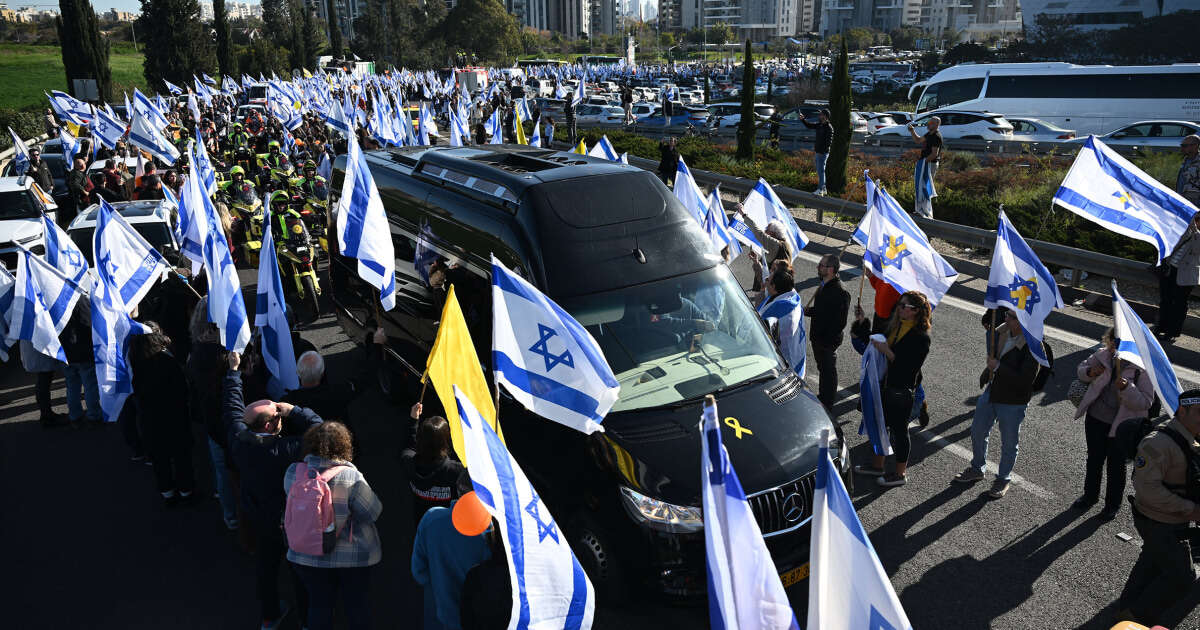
(660, 515)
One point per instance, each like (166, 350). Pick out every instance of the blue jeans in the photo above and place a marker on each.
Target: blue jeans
(819, 162)
(82, 376)
(221, 481)
(1010, 417)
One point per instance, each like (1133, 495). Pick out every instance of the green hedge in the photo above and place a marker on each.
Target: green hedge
(27, 123)
(969, 193)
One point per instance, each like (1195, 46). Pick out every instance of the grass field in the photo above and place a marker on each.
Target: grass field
(27, 71)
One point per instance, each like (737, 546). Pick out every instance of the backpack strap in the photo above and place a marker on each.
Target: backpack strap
(1189, 453)
(332, 472)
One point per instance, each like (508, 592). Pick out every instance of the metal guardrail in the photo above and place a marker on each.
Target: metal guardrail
(1122, 269)
(1013, 147)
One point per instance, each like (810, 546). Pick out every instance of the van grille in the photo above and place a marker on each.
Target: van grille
(785, 508)
(787, 389)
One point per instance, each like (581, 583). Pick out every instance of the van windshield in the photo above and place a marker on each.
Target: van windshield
(677, 339)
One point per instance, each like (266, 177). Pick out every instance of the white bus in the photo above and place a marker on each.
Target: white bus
(1088, 99)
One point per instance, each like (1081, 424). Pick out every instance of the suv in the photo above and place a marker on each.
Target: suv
(957, 125)
(611, 245)
(22, 204)
(155, 220)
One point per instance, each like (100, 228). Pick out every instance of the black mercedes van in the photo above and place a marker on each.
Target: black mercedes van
(612, 245)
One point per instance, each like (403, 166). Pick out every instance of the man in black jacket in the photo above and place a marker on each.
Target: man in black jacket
(821, 146)
(829, 310)
(265, 438)
(1009, 376)
(569, 112)
(39, 170)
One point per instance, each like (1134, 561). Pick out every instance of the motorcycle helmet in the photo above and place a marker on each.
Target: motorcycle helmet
(237, 170)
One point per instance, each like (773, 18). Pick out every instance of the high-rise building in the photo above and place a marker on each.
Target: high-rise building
(1090, 15)
(572, 18)
(532, 13)
(347, 12)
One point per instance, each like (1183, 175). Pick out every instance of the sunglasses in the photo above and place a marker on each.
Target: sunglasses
(909, 306)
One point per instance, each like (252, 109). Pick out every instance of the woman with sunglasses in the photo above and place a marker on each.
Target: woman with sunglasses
(905, 348)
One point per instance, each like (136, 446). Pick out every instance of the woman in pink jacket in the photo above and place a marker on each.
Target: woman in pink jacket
(1110, 399)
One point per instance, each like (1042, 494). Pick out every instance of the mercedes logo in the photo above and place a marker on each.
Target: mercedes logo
(793, 507)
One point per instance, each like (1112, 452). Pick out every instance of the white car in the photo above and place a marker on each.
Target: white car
(645, 110)
(1037, 130)
(22, 204)
(599, 115)
(958, 125)
(1149, 133)
(858, 124)
(900, 117)
(153, 219)
(876, 121)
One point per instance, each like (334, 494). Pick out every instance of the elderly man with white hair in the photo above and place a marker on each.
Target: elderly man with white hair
(330, 401)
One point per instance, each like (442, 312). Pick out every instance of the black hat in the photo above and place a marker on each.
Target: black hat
(825, 113)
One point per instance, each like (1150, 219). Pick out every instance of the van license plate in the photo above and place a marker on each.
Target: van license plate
(795, 575)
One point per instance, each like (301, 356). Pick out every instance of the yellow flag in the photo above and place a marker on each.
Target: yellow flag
(520, 127)
(73, 128)
(452, 361)
(581, 149)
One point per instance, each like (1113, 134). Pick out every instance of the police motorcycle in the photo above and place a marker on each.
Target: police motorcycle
(293, 249)
(245, 209)
(314, 192)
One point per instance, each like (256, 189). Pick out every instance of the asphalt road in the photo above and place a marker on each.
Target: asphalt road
(90, 545)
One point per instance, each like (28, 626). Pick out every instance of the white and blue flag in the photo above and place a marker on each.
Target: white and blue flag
(8, 285)
(107, 129)
(847, 587)
(787, 312)
(762, 206)
(111, 328)
(549, 587)
(271, 318)
(744, 589)
(545, 358)
(899, 253)
(69, 108)
(63, 254)
(687, 191)
(203, 167)
(143, 135)
(1020, 282)
(325, 168)
(336, 119)
(226, 307)
(43, 299)
(1104, 187)
(604, 149)
(923, 189)
(424, 124)
(20, 154)
(70, 145)
(172, 88)
(495, 127)
(131, 265)
(716, 225)
(743, 234)
(143, 107)
(193, 220)
(1137, 345)
(363, 229)
(535, 140)
(872, 368)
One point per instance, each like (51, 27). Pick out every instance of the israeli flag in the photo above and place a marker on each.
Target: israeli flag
(69, 109)
(20, 154)
(226, 307)
(363, 229)
(559, 92)
(63, 254)
(172, 88)
(743, 234)
(1020, 282)
(901, 255)
(549, 587)
(715, 224)
(604, 149)
(325, 168)
(131, 265)
(523, 108)
(495, 127)
(577, 99)
(1138, 346)
(762, 206)
(43, 299)
(923, 182)
(335, 118)
(744, 590)
(111, 323)
(424, 124)
(193, 221)
(70, 144)
(457, 130)
(271, 318)
(787, 313)
(1107, 189)
(208, 79)
(872, 368)
(8, 285)
(142, 107)
(145, 136)
(687, 191)
(203, 165)
(847, 587)
(107, 129)
(546, 359)
(535, 140)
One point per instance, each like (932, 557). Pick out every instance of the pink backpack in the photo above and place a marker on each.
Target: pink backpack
(308, 517)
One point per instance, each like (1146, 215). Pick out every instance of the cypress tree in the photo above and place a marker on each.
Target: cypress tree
(84, 50)
(178, 44)
(335, 30)
(839, 109)
(225, 58)
(746, 126)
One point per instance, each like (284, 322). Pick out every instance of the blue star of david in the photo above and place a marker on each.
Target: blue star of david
(106, 262)
(541, 348)
(1024, 293)
(544, 529)
(878, 622)
(893, 251)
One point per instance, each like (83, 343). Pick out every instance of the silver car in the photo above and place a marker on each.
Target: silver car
(1159, 134)
(1037, 130)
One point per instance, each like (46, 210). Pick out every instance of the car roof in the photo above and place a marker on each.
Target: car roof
(10, 184)
(145, 211)
(1161, 122)
(98, 165)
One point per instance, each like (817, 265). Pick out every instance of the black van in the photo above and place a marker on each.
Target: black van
(612, 245)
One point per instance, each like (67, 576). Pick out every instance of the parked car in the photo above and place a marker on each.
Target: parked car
(1159, 134)
(958, 125)
(550, 107)
(901, 118)
(599, 115)
(1036, 130)
(876, 121)
(858, 124)
(22, 204)
(155, 220)
(58, 172)
(627, 500)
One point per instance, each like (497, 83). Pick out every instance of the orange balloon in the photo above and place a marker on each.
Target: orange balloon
(470, 518)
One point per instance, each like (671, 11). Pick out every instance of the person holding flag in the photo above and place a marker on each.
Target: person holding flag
(926, 167)
(20, 154)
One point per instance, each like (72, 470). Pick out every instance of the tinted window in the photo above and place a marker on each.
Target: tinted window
(18, 204)
(949, 93)
(1174, 85)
